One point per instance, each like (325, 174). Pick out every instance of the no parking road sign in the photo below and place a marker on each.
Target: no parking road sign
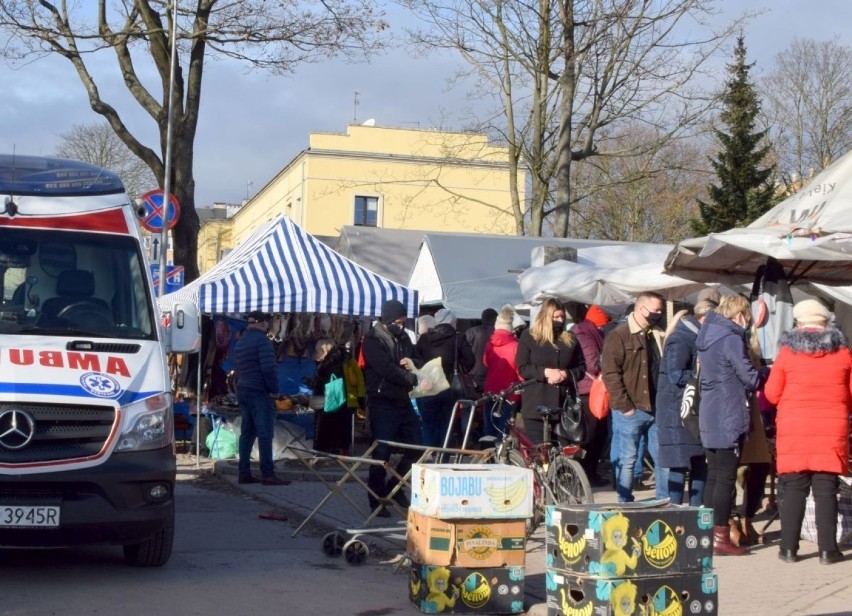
(174, 277)
(153, 201)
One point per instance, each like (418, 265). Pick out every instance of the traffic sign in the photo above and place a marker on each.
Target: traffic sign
(174, 277)
(153, 201)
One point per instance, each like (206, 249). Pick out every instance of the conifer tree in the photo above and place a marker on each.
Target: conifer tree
(743, 192)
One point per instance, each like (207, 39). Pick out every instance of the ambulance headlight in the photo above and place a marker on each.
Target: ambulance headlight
(148, 424)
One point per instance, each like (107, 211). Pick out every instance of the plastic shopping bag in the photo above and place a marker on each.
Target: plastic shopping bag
(431, 379)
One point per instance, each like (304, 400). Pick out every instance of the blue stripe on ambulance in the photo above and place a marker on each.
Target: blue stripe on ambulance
(41, 389)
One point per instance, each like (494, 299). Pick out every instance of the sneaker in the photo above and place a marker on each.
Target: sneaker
(274, 480)
(247, 479)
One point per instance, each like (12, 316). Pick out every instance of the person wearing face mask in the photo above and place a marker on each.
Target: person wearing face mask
(630, 364)
(726, 375)
(389, 357)
(546, 354)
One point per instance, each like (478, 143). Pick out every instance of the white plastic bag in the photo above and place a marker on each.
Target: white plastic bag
(431, 379)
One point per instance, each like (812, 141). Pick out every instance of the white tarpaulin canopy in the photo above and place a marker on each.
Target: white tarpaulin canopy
(282, 268)
(607, 276)
(809, 234)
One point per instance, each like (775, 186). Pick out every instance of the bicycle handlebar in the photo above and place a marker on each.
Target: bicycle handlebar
(502, 395)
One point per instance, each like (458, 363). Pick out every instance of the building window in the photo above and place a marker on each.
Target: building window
(366, 211)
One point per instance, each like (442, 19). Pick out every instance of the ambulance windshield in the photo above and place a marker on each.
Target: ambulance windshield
(69, 283)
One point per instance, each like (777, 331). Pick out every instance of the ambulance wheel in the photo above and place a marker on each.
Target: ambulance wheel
(332, 544)
(355, 551)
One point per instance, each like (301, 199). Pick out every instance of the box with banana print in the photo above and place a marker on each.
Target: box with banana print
(471, 491)
(629, 539)
(466, 543)
(663, 595)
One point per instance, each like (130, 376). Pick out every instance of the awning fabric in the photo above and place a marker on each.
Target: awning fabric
(282, 268)
(809, 234)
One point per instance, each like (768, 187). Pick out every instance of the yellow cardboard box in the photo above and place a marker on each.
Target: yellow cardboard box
(466, 543)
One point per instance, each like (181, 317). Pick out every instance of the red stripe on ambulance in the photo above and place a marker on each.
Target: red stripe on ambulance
(108, 221)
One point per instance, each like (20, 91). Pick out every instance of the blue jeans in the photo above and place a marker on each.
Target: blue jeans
(435, 413)
(614, 453)
(497, 426)
(257, 412)
(697, 478)
(630, 431)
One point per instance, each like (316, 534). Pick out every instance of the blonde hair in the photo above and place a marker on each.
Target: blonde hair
(542, 327)
(703, 307)
(732, 305)
(677, 318)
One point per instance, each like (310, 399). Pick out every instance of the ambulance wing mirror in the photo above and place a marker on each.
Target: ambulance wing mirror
(182, 328)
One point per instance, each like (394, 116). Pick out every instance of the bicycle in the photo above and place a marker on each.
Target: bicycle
(559, 479)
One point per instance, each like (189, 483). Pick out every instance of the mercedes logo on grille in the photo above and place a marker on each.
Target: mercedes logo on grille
(17, 428)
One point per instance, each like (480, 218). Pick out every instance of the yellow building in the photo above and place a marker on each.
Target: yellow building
(381, 177)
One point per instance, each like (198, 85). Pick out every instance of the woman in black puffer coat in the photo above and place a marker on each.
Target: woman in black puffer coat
(547, 354)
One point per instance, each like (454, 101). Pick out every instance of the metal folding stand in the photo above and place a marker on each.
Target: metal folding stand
(457, 408)
(355, 549)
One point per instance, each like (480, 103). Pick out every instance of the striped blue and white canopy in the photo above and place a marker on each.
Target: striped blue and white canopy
(282, 268)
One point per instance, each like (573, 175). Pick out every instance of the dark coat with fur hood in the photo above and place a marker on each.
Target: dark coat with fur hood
(811, 384)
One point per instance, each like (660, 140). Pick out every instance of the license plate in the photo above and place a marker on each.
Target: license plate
(17, 516)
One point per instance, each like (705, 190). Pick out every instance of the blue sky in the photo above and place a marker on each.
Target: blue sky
(252, 124)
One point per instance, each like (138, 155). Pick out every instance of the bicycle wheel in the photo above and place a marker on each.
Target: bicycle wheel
(515, 458)
(568, 482)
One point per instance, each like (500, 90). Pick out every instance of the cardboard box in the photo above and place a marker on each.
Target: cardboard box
(459, 590)
(569, 595)
(624, 539)
(472, 491)
(466, 543)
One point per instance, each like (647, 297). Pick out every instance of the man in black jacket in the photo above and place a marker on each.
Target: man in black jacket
(390, 356)
(477, 337)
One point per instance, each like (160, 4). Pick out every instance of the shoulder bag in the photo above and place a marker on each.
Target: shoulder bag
(572, 421)
(690, 402)
(463, 385)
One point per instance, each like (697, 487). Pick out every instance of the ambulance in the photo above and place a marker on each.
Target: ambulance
(87, 451)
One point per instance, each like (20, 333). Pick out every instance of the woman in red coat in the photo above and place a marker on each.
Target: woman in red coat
(811, 384)
(501, 371)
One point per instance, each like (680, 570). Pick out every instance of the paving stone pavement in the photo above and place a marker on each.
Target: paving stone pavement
(751, 585)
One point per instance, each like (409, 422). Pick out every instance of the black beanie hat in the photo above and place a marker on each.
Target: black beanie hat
(392, 309)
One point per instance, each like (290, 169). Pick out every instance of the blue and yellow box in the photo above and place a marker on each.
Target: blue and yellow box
(629, 539)
(436, 589)
(572, 595)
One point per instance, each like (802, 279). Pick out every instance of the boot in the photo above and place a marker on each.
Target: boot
(749, 533)
(735, 533)
(722, 545)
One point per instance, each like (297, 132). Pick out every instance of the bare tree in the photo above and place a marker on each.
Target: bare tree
(646, 198)
(808, 104)
(275, 36)
(98, 144)
(572, 75)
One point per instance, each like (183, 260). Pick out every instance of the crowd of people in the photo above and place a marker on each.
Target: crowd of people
(645, 368)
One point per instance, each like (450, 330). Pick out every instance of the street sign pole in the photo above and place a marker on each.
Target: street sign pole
(167, 181)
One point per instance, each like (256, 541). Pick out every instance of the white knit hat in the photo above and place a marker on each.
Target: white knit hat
(811, 311)
(505, 318)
